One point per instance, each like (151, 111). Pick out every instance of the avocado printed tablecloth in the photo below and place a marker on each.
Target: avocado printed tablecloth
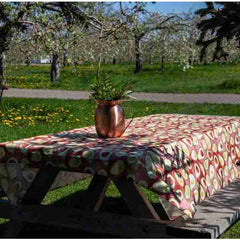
(182, 158)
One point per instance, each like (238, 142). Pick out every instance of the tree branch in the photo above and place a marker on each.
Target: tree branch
(30, 23)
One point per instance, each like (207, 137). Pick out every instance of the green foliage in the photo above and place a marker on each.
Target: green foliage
(106, 89)
(220, 23)
(2, 79)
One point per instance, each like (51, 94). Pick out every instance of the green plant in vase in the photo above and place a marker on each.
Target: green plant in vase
(109, 114)
(107, 89)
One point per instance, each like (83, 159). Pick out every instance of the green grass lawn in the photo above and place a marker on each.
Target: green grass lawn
(20, 118)
(212, 78)
(29, 117)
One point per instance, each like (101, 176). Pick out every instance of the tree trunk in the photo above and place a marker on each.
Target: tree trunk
(138, 54)
(1, 66)
(162, 63)
(205, 60)
(55, 68)
(1, 75)
(151, 59)
(114, 60)
(28, 61)
(65, 57)
(190, 60)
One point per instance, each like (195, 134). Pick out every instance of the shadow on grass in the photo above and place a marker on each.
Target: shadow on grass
(75, 200)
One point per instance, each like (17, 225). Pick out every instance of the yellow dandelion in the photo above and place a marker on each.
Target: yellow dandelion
(18, 118)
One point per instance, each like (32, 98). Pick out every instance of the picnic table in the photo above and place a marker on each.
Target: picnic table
(184, 159)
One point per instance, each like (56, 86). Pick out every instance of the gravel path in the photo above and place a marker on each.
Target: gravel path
(156, 97)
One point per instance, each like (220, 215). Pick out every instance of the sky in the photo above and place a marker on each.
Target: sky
(177, 7)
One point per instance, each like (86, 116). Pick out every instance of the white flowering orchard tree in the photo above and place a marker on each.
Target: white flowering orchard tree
(14, 20)
(53, 24)
(54, 37)
(59, 27)
(141, 23)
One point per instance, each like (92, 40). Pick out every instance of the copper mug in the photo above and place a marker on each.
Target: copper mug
(109, 119)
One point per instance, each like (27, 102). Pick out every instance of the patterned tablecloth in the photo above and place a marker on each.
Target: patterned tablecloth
(182, 158)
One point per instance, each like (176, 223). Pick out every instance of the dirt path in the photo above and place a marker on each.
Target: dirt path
(156, 97)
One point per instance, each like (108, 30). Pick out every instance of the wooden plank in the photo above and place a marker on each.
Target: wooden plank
(135, 199)
(117, 225)
(34, 195)
(166, 210)
(40, 185)
(94, 195)
(213, 217)
(96, 191)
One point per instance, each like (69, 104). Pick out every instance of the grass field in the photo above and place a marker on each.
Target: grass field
(28, 117)
(20, 118)
(212, 78)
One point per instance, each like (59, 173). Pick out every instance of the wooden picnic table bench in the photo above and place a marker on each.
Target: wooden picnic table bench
(184, 159)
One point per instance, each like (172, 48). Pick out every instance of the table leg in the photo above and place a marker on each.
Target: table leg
(34, 195)
(135, 199)
(96, 191)
(131, 193)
